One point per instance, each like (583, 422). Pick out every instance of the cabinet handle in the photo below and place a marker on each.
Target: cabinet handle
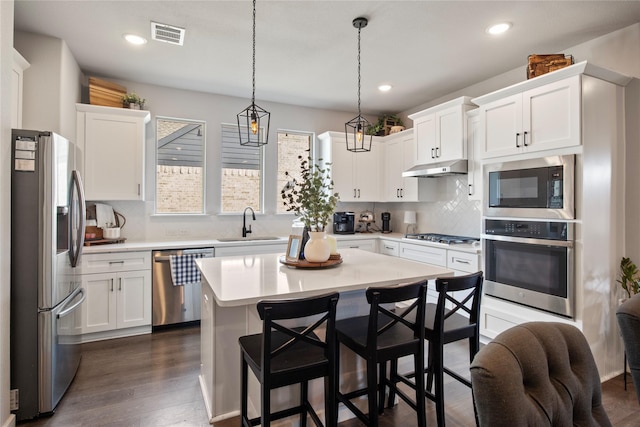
(111, 285)
(437, 152)
(470, 192)
(354, 193)
(517, 137)
(397, 192)
(358, 193)
(460, 261)
(116, 262)
(119, 283)
(524, 138)
(401, 192)
(433, 155)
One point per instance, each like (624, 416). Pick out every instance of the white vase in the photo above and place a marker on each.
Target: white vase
(317, 248)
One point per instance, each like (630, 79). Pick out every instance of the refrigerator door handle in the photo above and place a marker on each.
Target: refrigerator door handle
(76, 247)
(68, 310)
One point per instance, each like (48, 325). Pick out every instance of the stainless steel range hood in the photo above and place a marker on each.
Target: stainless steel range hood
(453, 167)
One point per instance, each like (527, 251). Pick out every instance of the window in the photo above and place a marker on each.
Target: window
(291, 145)
(179, 166)
(242, 168)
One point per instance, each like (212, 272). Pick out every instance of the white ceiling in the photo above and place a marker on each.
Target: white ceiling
(306, 50)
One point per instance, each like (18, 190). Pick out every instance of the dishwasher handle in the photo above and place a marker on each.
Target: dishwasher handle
(206, 253)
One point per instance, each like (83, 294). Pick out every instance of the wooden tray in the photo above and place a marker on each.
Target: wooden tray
(303, 263)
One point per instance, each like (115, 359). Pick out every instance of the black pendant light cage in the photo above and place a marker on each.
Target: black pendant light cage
(356, 129)
(252, 119)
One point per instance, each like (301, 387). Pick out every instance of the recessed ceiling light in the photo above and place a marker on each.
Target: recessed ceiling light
(134, 39)
(384, 88)
(499, 28)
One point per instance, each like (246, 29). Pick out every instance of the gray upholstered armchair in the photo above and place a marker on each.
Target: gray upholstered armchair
(537, 374)
(628, 315)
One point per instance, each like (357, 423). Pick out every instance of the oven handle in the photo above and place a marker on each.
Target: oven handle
(530, 241)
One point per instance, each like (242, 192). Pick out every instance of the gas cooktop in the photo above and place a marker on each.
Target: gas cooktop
(441, 238)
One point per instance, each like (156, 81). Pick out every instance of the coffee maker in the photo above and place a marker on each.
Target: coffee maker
(386, 218)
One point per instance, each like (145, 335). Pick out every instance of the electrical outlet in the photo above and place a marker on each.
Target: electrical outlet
(14, 400)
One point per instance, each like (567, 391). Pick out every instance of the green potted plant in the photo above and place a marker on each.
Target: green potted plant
(132, 100)
(629, 277)
(311, 198)
(386, 121)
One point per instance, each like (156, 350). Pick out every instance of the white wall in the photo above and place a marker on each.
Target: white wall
(6, 58)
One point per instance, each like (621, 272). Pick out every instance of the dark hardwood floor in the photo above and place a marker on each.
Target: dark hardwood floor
(152, 380)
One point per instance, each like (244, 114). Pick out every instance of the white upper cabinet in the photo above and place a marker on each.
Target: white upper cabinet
(440, 131)
(474, 175)
(400, 155)
(542, 118)
(112, 141)
(356, 176)
(19, 64)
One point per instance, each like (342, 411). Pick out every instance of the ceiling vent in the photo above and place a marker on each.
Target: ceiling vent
(167, 33)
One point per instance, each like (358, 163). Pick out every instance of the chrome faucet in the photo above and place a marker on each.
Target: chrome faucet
(246, 231)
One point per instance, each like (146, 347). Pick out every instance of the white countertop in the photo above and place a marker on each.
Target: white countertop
(207, 243)
(243, 280)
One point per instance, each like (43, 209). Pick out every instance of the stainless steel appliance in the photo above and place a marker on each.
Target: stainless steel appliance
(531, 263)
(534, 188)
(175, 303)
(47, 235)
(344, 223)
(441, 238)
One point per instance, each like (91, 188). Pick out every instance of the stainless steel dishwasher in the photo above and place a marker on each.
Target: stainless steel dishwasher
(174, 304)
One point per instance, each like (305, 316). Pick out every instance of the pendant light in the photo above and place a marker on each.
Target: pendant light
(355, 129)
(252, 118)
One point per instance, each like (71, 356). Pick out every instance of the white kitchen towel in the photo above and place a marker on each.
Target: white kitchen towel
(104, 215)
(184, 270)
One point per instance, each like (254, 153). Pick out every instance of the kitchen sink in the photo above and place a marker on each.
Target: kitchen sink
(247, 239)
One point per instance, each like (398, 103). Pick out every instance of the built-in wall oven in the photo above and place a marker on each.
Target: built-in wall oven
(530, 262)
(533, 188)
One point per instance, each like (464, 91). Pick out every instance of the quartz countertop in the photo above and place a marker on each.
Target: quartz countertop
(207, 243)
(244, 280)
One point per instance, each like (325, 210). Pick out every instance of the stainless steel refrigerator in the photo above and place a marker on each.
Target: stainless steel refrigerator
(47, 235)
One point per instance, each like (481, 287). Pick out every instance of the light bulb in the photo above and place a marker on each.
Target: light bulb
(254, 123)
(359, 136)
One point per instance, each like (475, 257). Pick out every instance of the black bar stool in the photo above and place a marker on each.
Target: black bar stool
(386, 335)
(447, 321)
(282, 356)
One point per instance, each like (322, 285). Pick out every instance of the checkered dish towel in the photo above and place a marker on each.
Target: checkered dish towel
(184, 270)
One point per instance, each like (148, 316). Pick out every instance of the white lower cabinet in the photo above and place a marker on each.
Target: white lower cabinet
(118, 297)
(389, 247)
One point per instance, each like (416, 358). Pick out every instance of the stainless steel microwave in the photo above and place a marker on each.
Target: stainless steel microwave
(533, 188)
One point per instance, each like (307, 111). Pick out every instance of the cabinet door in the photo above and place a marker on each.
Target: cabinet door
(367, 174)
(114, 151)
(501, 124)
(449, 143)
(409, 185)
(425, 136)
(99, 309)
(474, 175)
(394, 167)
(342, 171)
(134, 298)
(551, 115)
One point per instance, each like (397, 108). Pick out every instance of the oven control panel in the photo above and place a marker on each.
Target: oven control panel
(549, 230)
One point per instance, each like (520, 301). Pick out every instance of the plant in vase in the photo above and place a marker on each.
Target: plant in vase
(311, 197)
(629, 277)
(132, 100)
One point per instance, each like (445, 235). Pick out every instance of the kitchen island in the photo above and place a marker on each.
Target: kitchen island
(231, 287)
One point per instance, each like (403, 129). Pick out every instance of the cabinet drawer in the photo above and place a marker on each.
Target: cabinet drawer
(462, 261)
(424, 254)
(390, 248)
(111, 262)
(365, 245)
